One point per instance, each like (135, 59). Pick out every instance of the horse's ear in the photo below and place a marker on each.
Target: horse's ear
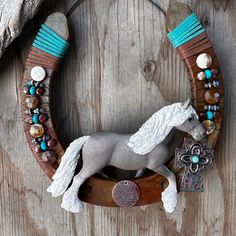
(187, 103)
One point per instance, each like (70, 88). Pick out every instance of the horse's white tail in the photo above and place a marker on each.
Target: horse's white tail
(66, 169)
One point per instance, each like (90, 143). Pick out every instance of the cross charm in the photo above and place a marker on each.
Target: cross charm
(195, 158)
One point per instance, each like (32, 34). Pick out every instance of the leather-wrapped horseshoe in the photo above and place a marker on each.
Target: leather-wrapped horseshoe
(42, 63)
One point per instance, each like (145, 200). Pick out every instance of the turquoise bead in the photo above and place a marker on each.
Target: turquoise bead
(208, 74)
(35, 118)
(209, 115)
(32, 90)
(44, 146)
(195, 159)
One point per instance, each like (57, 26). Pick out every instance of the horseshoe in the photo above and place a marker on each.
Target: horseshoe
(35, 104)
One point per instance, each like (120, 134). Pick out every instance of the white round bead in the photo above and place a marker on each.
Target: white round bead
(201, 75)
(38, 73)
(204, 61)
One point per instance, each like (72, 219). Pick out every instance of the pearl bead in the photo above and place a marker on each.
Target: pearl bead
(38, 73)
(36, 130)
(204, 61)
(201, 75)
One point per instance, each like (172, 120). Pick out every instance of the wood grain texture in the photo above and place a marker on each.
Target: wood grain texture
(101, 87)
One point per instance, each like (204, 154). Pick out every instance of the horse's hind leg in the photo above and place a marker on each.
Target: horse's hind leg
(70, 200)
(169, 195)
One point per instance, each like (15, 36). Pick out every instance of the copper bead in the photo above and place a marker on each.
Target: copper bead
(36, 130)
(52, 143)
(40, 91)
(126, 193)
(32, 102)
(211, 96)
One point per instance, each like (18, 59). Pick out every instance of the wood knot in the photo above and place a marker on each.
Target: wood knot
(148, 69)
(206, 21)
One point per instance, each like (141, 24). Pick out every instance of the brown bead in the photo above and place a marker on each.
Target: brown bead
(202, 116)
(49, 156)
(211, 96)
(40, 91)
(38, 149)
(36, 130)
(209, 125)
(52, 143)
(32, 102)
(214, 72)
(43, 118)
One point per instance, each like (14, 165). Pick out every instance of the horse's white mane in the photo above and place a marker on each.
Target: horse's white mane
(156, 128)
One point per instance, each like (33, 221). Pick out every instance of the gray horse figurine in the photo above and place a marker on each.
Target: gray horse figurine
(148, 148)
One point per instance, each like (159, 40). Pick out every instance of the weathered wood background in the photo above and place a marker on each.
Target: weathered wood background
(100, 87)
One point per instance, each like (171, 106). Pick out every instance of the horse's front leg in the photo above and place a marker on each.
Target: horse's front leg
(169, 195)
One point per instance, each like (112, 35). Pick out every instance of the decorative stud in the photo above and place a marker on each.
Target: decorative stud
(214, 83)
(126, 193)
(211, 107)
(38, 73)
(36, 130)
(204, 61)
(195, 158)
(210, 126)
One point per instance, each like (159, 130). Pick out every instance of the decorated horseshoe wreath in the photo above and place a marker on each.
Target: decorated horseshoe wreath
(148, 147)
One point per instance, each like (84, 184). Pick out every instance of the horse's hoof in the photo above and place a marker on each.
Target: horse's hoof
(169, 199)
(71, 202)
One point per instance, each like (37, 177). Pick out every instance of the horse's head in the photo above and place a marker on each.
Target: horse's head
(192, 125)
